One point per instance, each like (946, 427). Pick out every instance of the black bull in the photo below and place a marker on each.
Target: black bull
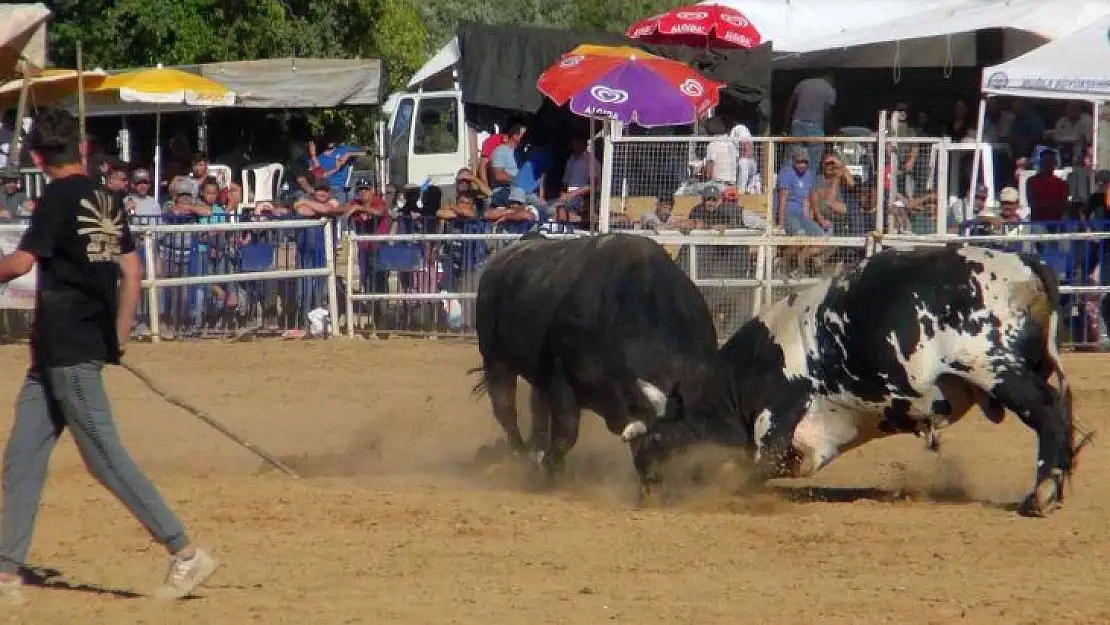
(600, 323)
(906, 342)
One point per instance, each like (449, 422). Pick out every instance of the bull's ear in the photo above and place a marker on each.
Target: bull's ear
(656, 397)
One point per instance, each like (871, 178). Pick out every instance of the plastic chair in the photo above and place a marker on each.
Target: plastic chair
(262, 183)
(222, 174)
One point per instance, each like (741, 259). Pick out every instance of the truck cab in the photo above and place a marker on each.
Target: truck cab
(428, 137)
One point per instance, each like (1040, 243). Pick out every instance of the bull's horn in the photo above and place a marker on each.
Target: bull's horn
(656, 397)
(633, 430)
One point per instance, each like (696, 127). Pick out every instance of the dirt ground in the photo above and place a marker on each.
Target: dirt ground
(392, 523)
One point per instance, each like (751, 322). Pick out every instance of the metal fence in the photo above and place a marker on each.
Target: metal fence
(218, 277)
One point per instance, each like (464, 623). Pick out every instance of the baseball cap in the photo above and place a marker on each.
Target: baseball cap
(517, 195)
(730, 194)
(362, 183)
(710, 193)
(1009, 194)
(185, 187)
(140, 175)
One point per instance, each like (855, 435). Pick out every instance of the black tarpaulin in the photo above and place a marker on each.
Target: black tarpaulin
(501, 64)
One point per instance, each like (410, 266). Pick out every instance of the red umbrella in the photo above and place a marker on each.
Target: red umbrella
(708, 25)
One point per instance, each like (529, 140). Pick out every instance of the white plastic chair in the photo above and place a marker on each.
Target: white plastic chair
(262, 183)
(222, 174)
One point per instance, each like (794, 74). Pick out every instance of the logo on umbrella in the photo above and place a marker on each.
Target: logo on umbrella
(735, 37)
(692, 88)
(691, 15)
(608, 95)
(572, 61)
(738, 21)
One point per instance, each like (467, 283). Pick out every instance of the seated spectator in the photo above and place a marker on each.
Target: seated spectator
(659, 217)
(212, 210)
(474, 189)
(581, 172)
(516, 211)
(367, 213)
(183, 203)
(464, 208)
(115, 179)
(140, 202)
(796, 209)
(504, 166)
(711, 214)
(534, 165)
(830, 194)
(320, 203)
(15, 200)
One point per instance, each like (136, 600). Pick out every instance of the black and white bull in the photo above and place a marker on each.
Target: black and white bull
(906, 342)
(600, 323)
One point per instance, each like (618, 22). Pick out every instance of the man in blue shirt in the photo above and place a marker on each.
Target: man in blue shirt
(795, 204)
(530, 177)
(504, 166)
(335, 164)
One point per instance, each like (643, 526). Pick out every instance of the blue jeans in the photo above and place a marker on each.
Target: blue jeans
(51, 400)
(798, 224)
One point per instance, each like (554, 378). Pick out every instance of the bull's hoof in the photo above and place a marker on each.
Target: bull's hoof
(650, 496)
(1046, 498)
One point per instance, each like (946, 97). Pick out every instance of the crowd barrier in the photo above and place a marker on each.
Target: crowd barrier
(419, 277)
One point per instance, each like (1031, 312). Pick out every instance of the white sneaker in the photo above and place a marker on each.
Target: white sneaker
(184, 576)
(11, 591)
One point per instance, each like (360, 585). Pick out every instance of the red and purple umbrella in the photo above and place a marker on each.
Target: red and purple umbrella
(629, 85)
(701, 25)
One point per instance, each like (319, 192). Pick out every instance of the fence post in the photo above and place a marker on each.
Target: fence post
(760, 274)
(352, 252)
(944, 203)
(329, 262)
(606, 199)
(881, 165)
(151, 247)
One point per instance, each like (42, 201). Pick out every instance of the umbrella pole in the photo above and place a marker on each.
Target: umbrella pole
(157, 156)
(15, 149)
(593, 188)
(81, 106)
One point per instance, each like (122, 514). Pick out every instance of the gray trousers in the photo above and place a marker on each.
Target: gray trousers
(51, 400)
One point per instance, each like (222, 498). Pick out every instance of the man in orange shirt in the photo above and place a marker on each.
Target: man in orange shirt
(1048, 195)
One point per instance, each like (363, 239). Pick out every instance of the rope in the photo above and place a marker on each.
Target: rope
(207, 419)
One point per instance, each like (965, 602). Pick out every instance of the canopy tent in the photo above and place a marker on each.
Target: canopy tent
(22, 37)
(944, 34)
(1076, 67)
(444, 60)
(293, 83)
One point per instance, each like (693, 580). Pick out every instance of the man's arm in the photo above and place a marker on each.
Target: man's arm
(16, 264)
(130, 278)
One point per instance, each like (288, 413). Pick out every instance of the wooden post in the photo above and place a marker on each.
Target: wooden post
(81, 106)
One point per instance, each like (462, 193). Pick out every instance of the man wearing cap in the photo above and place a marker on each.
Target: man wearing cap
(140, 202)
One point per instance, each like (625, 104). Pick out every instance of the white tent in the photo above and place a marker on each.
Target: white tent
(1076, 67)
(944, 33)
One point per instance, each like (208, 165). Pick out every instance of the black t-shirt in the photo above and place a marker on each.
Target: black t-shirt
(77, 233)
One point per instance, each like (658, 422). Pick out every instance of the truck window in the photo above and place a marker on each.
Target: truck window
(437, 126)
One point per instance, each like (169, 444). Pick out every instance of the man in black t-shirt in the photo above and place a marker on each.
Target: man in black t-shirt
(80, 240)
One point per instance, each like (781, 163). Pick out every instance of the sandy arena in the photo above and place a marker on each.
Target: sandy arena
(393, 523)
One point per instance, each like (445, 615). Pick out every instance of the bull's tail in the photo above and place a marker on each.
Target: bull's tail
(481, 387)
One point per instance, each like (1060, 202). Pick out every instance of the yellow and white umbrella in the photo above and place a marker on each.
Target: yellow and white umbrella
(48, 87)
(156, 90)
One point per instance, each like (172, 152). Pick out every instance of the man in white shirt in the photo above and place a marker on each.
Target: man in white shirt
(140, 202)
(730, 160)
(809, 106)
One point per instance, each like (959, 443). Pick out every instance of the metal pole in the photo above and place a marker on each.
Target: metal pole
(150, 248)
(81, 105)
(975, 159)
(352, 250)
(605, 201)
(333, 295)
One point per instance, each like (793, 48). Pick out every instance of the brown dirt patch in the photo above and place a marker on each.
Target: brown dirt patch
(394, 522)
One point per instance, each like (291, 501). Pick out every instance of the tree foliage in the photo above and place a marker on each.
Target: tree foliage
(402, 33)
